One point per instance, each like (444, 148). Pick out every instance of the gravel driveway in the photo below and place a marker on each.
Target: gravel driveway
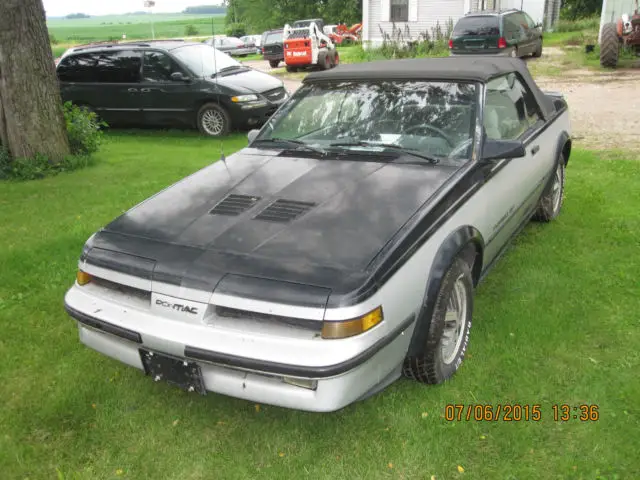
(604, 106)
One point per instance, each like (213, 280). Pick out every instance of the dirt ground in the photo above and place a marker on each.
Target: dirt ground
(604, 106)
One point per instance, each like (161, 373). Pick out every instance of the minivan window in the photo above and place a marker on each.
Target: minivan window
(273, 38)
(477, 25)
(203, 60)
(158, 67)
(78, 68)
(120, 66)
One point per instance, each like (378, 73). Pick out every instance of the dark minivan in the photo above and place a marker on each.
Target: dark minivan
(510, 33)
(168, 83)
(273, 47)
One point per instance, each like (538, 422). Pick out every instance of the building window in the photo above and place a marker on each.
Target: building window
(399, 10)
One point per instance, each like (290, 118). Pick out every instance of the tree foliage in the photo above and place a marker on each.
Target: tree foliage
(261, 15)
(575, 9)
(205, 9)
(73, 16)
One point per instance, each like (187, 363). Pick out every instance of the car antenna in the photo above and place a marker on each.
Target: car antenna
(215, 67)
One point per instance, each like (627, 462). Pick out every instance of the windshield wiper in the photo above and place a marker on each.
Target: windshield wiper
(300, 145)
(389, 146)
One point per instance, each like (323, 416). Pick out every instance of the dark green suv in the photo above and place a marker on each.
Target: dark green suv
(164, 83)
(508, 32)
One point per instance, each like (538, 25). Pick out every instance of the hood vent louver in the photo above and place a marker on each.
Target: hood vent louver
(234, 204)
(284, 211)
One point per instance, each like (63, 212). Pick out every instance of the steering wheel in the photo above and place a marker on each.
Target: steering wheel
(433, 129)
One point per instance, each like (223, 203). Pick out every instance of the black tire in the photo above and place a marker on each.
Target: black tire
(431, 366)
(538, 52)
(335, 59)
(291, 69)
(551, 202)
(274, 63)
(206, 120)
(324, 61)
(609, 46)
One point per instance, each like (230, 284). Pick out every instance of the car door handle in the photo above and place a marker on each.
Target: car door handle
(132, 90)
(145, 90)
(535, 149)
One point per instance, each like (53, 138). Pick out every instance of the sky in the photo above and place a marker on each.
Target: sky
(60, 8)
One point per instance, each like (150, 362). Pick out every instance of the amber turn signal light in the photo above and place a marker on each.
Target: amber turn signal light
(349, 328)
(83, 277)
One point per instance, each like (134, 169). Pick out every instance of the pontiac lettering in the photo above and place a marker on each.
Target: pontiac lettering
(178, 307)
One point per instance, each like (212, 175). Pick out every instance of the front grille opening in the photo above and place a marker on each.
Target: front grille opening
(121, 289)
(302, 323)
(234, 204)
(284, 211)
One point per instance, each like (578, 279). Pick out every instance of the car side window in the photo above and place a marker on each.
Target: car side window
(121, 66)
(529, 20)
(78, 68)
(158, 67)
(510, 108)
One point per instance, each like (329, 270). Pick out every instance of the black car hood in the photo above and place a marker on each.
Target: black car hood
(330, 219)
(250, 80)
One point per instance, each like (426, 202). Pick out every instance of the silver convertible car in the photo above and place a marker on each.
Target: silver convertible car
(341, 248)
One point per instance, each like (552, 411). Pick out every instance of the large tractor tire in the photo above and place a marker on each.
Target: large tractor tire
(609, 46)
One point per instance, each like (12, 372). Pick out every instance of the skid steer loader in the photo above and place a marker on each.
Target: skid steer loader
(306, 46)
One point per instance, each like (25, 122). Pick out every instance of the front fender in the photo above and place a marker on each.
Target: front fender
(452, 246)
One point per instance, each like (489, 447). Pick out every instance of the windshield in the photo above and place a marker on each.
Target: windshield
(273, 38)
(480, 25)
(204, 60)
(436, 119)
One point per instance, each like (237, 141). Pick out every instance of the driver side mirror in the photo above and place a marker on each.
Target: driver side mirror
(502, 149)
(252, 135)
(179, 77)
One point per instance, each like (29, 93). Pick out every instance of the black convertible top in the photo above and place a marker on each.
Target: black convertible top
(464, 68)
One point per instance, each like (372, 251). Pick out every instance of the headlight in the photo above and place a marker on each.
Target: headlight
(244, 98)
(349, 328)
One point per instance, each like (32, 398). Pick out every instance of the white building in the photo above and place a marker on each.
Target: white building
(419, 16)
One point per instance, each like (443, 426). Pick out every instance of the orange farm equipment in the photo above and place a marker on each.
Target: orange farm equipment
(308, 46)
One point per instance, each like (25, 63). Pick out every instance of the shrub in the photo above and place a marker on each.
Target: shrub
(190, 30)
(84, 129)
(591, 23)
(52, 39)
(236, 30)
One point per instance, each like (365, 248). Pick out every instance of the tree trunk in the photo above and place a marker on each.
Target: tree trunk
(31, 119)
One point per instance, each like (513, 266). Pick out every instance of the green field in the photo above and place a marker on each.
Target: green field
(136, 27)
(556, 322)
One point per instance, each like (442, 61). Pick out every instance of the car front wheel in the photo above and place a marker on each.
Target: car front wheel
(213, 120)
(551, 202)
(449, 328)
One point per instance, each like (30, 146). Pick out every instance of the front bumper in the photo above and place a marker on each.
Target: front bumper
(254, 115)
(247, 365)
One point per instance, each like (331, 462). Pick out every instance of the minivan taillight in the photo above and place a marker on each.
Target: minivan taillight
(450, 43)
(502, 43)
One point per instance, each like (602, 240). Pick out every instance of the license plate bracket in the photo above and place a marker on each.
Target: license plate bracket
(176, 371)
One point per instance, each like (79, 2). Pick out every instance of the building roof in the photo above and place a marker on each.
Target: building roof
(478, 69)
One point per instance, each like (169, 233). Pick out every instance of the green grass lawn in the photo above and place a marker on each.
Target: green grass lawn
(555, 322)
(136, 27)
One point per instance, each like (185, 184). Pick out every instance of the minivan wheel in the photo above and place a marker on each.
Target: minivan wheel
(274, 63)
(213, 120)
